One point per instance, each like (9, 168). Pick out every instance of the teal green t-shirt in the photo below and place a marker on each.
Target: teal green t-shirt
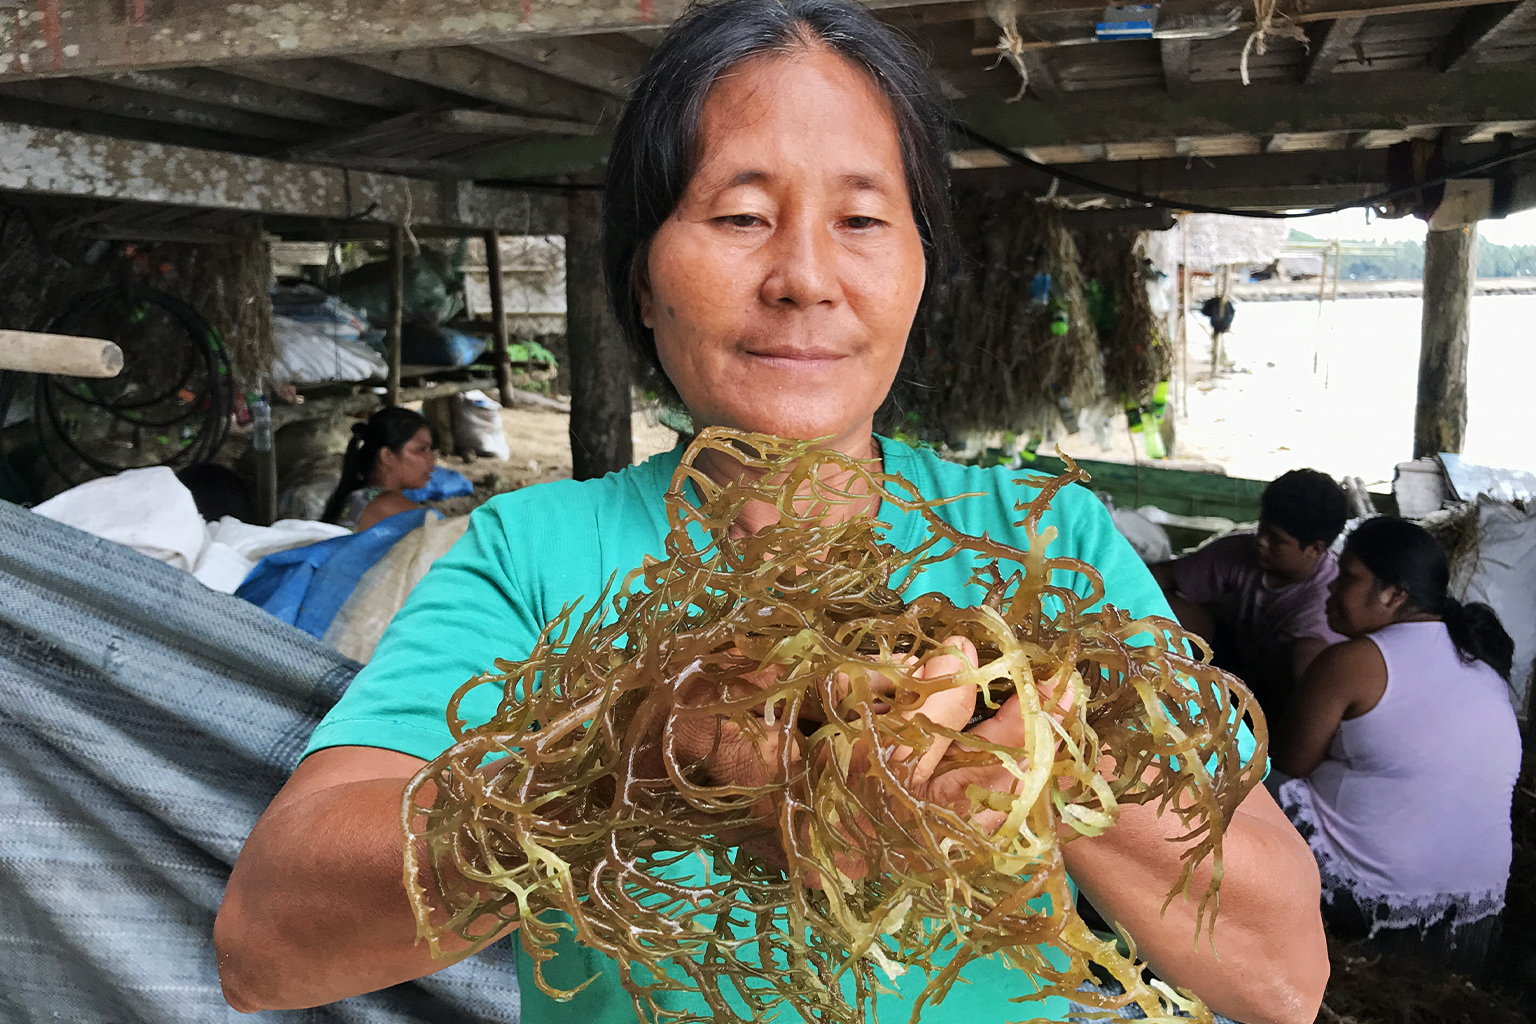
(530, 553)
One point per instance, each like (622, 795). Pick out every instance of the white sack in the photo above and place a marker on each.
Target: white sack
(360, 622)
(1503, 576)
(307, 355)
(1149, 539)
(477, 425)
(148, 510)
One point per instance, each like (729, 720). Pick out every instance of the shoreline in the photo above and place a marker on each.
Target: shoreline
(1307, 291)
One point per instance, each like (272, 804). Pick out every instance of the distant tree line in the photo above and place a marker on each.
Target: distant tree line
(1407, 261)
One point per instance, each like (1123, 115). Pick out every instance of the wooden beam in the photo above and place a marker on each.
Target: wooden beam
(1178, 177)
(242, 94)
(579, 60)
(48, 161)
(600, 378)
(1440, 416)
(1476, 30)
(486, 123)
(1329, 42)
(95, 36)
(1175, 55)
(484, 76)
(349, 83)
(396, 317)
(496, 280)
(1392, 100)
(107, 98)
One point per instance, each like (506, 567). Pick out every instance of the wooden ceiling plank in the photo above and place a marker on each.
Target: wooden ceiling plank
(581, 60)
(349, 83)
(1476, 30)
(72, 164)
(107, 98)
(1329, 45)
(484, 76)
(252, 97)
(94, 37)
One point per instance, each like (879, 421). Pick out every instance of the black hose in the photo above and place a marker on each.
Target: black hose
(204, 371)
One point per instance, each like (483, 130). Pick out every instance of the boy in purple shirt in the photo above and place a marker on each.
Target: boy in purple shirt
(1259, 598)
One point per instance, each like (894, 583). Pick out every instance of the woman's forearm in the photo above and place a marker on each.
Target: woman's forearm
(1273, 958)
(315, 910)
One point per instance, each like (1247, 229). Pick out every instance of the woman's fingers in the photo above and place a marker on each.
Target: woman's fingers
(951, 708)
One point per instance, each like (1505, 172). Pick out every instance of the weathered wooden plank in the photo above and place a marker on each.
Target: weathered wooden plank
(1393, 100)
(1175, 56)
(49, 161)
(1477, 29)
(107, 98)
(487, 77)
(1440, 416)
(1354, 172)
(489, 124)
(350, 83)
(580, 60)
(242, 94)
(1329, 42)
(95, 36)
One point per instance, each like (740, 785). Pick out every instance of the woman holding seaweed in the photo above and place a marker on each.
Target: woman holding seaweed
(775, 217)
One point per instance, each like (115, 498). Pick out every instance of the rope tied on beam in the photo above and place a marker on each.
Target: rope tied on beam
(1269, 20)
(1010, 45)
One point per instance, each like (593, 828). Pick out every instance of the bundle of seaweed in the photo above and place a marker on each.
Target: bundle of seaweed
(990, 359)
(735, 779)
(1132, 338)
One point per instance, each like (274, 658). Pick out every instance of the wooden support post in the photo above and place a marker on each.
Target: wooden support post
(498, 318)
(396, 311)
(600, 431)
(1450, 266)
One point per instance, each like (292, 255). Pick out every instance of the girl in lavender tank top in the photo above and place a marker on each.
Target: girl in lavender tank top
(1405, 753)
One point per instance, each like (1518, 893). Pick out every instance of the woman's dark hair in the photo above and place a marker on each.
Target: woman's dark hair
(391, 427)
(1306, 504)
(1403, 555)
(655, 148)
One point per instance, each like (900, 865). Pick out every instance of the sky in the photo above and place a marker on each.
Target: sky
(1356, 225)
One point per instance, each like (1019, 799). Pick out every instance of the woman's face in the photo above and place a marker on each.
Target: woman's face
(1357, 602)
(409, 468)
(782, 289)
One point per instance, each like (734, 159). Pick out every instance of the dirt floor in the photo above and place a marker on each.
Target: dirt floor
(541, 451)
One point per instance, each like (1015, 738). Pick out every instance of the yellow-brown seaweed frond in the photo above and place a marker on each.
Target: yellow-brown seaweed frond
(836, 858)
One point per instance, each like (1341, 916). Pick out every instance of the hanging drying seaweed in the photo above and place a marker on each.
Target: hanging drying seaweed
(858, 839)
(1132, 339)
(1012, 346)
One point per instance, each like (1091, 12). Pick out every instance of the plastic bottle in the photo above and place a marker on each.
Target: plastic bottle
(261, 423)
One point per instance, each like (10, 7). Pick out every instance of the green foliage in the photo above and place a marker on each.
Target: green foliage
(1407, 261)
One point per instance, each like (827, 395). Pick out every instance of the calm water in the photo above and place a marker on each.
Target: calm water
(1334, 388)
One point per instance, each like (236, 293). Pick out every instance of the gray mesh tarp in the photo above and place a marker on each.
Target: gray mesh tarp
(145, 723)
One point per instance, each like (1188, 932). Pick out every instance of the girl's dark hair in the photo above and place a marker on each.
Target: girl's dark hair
(391, 427)
(1307, 504)
(1400, 554)
(655, 148)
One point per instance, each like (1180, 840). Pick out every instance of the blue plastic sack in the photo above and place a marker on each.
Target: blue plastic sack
(307, 586)
(445, 483)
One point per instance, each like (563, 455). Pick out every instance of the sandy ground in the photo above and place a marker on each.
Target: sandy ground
(541, 451)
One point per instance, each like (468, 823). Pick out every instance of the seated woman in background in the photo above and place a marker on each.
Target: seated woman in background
(389, 454)
(1405, 753)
